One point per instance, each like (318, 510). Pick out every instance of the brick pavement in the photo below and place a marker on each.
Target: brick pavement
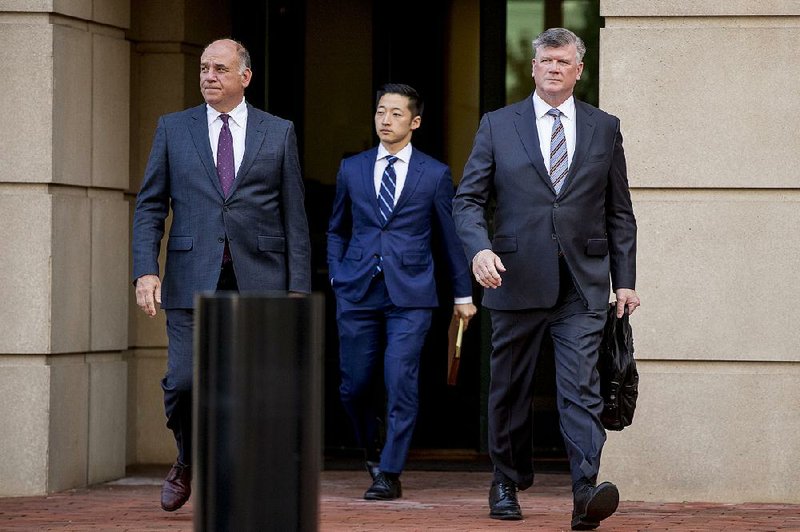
(432, 501)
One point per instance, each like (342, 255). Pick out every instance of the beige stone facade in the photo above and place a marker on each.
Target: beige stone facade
(63, 178)
(707, 94)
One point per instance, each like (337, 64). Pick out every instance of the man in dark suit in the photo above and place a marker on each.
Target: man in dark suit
(389, 201)
(563, 223)
(231, 175)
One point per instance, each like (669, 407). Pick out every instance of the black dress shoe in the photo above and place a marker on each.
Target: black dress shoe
(177, 487)
(503, 502)
(593, 504)
(373, 468)
(384, 488)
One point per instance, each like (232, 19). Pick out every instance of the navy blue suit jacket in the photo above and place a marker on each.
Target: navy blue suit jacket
(263, 216)
(591, 219)
(356, 236)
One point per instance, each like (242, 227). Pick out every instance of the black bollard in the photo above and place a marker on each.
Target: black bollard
(257, 425)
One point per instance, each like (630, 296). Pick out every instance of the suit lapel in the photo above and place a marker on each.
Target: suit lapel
(529, 136)
(198, 128)
(415, 166)
(368, 179)
(584, 131)
(257, 126)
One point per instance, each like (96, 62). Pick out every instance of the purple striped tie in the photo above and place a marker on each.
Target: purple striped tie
(226, 169)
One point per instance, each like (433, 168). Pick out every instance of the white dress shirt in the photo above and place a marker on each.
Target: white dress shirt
(544, 125)
(237, 123)
(401, 171)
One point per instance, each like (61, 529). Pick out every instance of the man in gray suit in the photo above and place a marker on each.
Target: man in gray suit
(563, 224)
(231, 175)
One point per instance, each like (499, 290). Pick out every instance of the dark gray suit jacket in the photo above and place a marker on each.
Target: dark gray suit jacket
(591, 220)
(263, 217)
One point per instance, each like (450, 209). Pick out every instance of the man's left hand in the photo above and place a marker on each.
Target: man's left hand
(626, 297)
(465, 311)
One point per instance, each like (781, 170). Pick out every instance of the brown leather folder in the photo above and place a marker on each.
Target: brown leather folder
(454, 335)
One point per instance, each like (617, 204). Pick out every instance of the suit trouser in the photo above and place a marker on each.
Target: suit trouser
(370, 331)
(517, 338)
(177, 382)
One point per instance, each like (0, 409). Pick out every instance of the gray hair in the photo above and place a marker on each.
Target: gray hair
(558, 37)
(244, 56)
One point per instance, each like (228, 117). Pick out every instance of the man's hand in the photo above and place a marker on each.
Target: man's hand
(148, 293)
(626, 297)
(486, 267)
(465, 311)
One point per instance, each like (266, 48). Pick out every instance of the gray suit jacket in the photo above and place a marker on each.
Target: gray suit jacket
(263, 216)
(591, 220)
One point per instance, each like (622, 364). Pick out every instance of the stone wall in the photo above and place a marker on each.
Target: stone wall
(707, 95)
(64, 228)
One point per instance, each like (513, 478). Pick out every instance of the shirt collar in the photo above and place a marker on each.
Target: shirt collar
(238, 114)
(404, 154)
(540, 107)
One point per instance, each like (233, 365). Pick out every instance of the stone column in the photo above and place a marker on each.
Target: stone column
(63, 224)
(708, 97)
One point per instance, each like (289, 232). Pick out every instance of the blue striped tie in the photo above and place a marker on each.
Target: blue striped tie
(559, 164)
(386, 193)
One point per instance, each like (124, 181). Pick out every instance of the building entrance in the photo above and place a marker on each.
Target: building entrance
(319, 65)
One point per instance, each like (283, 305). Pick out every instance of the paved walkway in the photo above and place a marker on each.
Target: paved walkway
(432, 501)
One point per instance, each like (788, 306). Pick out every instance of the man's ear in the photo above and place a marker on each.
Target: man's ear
(246, 76)
(416, 122)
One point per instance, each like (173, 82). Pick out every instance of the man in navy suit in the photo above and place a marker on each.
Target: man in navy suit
(563, 224)
(389, 202)
(231, 175)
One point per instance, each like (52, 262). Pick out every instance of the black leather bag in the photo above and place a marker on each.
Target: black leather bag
(619, 380)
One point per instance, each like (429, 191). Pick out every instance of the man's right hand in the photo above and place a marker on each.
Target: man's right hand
(148, 293)
(486, 267)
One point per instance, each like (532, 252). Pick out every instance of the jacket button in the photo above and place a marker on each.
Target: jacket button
(555, 205)
(226, 209)
(553, 236)
(220, 240)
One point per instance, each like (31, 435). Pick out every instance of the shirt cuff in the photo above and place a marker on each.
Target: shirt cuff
(463, 300)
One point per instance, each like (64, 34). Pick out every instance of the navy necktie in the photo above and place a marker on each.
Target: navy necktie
(226, 170)
(386, 192)
(559, 164)
(386, 200)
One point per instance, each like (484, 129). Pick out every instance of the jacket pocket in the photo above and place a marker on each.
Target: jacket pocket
(353, 253)
(268, 162)
(180, 243)
(504, 244)
(272, 243)
(597, 247)
(595, 157)
(416, 259)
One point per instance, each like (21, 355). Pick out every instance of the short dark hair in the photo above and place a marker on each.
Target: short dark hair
(415, 103)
